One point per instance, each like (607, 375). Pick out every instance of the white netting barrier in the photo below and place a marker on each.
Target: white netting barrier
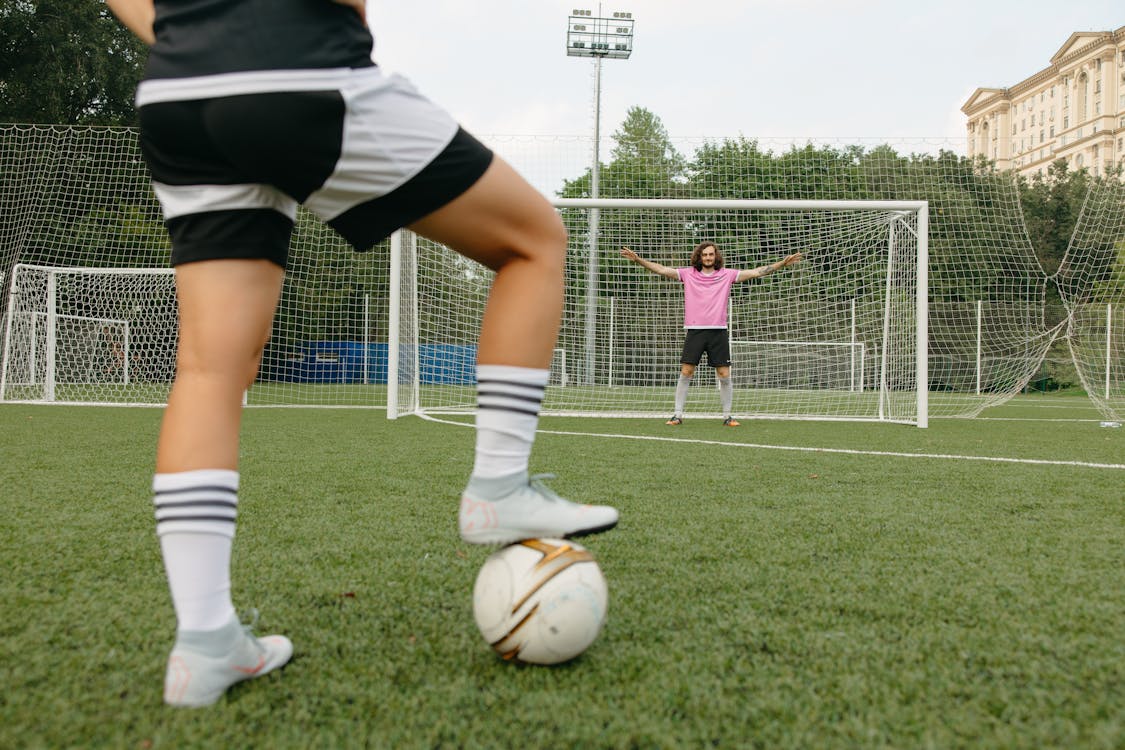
(79, 198)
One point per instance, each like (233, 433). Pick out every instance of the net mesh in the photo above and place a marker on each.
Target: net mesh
(832, 337)
(73, 197)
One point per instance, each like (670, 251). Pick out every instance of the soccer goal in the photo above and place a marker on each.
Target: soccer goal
(843, 335)
(89, 335)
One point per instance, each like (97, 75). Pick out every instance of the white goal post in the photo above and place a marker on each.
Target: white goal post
(843, 335)
(88, 335)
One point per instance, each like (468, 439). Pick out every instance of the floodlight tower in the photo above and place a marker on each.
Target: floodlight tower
(598, 37)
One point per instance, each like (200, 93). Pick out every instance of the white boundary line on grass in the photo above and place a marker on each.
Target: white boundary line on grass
(806, 449)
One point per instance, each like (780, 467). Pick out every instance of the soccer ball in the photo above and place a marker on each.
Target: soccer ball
(542, 601)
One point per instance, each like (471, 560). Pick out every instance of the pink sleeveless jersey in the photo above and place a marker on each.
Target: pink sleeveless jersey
(705, 296)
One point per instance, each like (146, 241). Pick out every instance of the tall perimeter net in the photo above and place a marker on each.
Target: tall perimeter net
(86, 300)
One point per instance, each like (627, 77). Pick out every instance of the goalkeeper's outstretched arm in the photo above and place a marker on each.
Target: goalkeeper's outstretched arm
(766, 270)
(656, 268)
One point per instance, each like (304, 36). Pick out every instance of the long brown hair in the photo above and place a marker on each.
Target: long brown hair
(697, 255)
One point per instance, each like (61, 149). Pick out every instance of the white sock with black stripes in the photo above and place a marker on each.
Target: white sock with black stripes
(195, 517)
(508, 403)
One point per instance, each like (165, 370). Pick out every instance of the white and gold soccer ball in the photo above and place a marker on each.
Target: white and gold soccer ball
(541, 601)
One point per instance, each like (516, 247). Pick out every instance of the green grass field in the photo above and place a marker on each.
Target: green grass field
(762, 594)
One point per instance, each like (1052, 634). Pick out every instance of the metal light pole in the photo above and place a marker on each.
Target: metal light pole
(598, 37)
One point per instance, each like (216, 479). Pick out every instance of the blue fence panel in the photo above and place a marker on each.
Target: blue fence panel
(447, 364)
(343, 362)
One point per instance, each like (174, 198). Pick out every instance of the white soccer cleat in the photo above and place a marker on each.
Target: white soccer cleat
(512, 509)
(203, 664)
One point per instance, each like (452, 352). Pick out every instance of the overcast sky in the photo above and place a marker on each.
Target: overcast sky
(800, 69)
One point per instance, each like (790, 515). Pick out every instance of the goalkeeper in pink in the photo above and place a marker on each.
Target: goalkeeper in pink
(707, 287)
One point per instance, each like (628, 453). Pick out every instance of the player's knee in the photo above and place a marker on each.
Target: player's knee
(558, 243)
(545, 244)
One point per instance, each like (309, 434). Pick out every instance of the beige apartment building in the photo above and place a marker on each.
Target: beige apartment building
(1074, 110)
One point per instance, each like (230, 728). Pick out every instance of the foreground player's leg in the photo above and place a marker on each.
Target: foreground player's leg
(503, 223)
(226, 308)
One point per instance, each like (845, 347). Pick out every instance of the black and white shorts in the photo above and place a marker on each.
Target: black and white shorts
(714, 341)
(232, 155)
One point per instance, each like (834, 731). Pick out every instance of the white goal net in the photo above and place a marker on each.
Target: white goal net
(841, 335)
(88, 335)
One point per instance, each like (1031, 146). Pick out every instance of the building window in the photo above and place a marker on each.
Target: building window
(1098, 83)
(1066, 121)
(1052, 131)
(1040, 136)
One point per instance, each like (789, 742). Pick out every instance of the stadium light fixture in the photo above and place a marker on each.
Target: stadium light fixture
(598, 37)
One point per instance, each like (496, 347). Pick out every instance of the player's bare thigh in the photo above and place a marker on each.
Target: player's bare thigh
(499, 218)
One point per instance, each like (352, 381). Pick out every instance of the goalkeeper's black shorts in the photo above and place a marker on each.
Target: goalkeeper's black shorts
(714, 341)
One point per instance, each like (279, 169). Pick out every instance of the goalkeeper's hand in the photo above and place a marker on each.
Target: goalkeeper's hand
(791, 259)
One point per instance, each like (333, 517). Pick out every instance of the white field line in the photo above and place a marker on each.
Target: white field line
(1026, 419)
(807, 449)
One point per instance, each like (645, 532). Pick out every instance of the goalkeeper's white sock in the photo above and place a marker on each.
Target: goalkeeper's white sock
(508, 403)
(195, 516)
(726, 394)
(681, 394)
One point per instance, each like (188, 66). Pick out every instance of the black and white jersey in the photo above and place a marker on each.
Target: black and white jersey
(205, 37)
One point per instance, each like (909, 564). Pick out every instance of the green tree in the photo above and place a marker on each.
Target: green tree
(67, 62)
(1051, 206)
(645, 163)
